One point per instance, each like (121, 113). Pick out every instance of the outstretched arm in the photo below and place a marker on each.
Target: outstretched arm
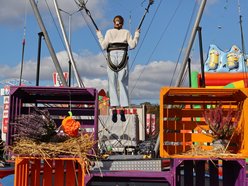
(103, 41)
(133, 42)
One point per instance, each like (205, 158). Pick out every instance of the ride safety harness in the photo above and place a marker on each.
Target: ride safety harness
(123, 63)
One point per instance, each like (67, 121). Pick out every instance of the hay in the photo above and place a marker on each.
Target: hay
(78, 147)
(198, 151)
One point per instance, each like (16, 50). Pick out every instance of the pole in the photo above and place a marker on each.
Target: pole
(22, 63)
(40, 34)
(69, 82)
(69, 31)
(48, 42)
(78, 79)
(241, 33)
(191, 41)
(178, 82)
(189, 69)
(201, 56)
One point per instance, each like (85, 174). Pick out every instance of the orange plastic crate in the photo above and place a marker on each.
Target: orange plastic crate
(181, 118)
(49, 172)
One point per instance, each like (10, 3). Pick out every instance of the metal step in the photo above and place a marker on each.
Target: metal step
(128, 164)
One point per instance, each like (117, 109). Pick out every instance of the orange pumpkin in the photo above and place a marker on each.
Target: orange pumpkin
(70, 126)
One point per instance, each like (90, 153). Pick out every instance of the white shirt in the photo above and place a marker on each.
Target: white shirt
(117, 36)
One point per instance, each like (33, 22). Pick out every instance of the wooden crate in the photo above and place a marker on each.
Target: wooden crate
(181, 118)
(82, 102)
(49, 172)
(224, 171)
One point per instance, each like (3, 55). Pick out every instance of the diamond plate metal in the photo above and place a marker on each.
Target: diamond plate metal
(120, 165)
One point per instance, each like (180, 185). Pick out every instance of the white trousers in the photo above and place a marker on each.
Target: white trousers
(118, 81)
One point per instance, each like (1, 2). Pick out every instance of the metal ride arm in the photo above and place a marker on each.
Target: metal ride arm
(188, 49)
(48, 42)
(68, 47)
(146, 11)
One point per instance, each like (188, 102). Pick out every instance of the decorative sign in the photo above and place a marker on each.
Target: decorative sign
(5, 118)
(153, 124)
(57, 81)
(230, 61)
(5, 122)
(150, 124)
(5, 91)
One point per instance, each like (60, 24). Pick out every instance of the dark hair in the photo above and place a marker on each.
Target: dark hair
(119, 17)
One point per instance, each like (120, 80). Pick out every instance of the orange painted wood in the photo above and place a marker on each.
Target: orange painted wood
(24, 169)
(70, 173)
(47, 174)
(35, 172)
(181, 109)
(59, 173)
(22, 174)
(80, 175)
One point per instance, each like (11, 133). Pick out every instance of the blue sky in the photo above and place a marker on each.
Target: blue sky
(153, 61)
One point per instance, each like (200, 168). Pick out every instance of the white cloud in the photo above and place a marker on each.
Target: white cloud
(95, 83)
(145, 80)
(12, 12)
(211, 2)
(91, 65)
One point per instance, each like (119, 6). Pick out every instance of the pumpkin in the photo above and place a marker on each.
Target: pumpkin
(70, 126)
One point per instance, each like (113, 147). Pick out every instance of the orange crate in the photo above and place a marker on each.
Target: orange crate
(48, 172)
(181, 118)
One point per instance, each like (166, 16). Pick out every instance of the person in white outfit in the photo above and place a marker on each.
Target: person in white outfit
(117, 41)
